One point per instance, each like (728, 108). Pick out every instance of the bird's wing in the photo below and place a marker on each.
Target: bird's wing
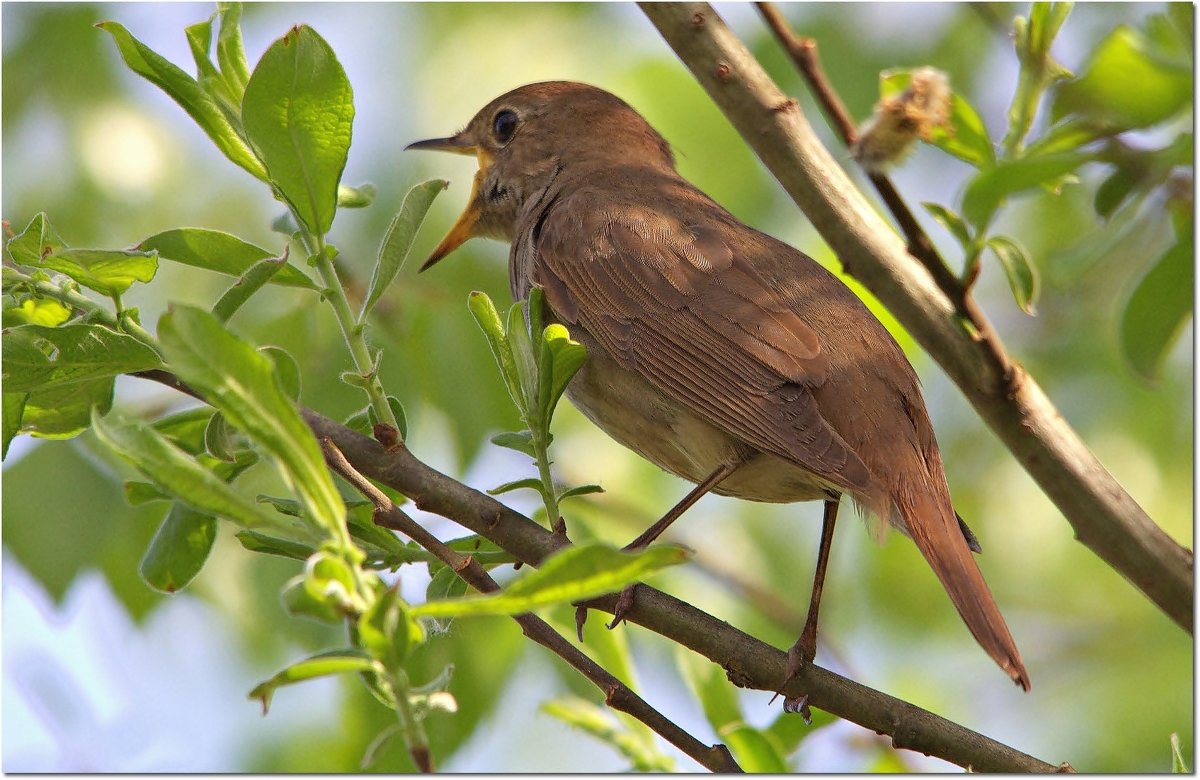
(673, 302)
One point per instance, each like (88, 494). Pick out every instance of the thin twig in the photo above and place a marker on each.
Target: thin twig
(617, 695)
(803, 52)
(1104, 516)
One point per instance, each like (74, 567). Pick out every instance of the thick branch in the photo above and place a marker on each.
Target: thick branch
(715, 758)
(748, 661)
(1105, 518)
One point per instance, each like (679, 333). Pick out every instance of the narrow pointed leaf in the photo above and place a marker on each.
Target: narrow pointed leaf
(179, 549)
(175, 472)
(508, 487)
(321, 665)
(254, 279)
(578, 572)
(241, 382)
(990, 187)
(398, 240)
(188, 93)
(521, 442)
(951, 221)
(231, 55)
(488, 319)
(220, 252)
(1022, 277)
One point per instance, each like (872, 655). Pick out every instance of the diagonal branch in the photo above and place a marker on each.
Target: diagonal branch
(1104, 516)
(748, 661)
(715, 758)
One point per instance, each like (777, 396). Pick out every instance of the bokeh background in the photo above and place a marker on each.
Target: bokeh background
(101, 674)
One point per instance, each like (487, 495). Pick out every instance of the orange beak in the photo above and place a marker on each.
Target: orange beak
(464, 228)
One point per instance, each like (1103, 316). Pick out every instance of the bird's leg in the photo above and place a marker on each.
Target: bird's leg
(805, 650)
(625, 598)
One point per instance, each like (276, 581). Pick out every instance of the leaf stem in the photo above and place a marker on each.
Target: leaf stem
(410, 724)
(335, 293)
(94, 311)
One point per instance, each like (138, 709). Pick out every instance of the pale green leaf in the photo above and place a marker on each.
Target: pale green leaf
(179, 549)
(398, 240)
(297, 112)
(320, 665)
(42, 358)
(188, 93)
(220, 252)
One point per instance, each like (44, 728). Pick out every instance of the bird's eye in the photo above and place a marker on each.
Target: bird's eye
(504, 125)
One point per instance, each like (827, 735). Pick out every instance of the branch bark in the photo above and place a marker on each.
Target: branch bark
(748, 661)
(1104, 517)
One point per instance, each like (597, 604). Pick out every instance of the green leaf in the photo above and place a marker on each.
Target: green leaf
(488, 319)
(178, 474)
(220, 252)
(179, 549)
(445, 584)
(989, 188)
(35, 311)
(298, 110)
(287, 370)
(1022, 277)
(952, 222)
(521, 442)
(187, 429)
(241, 382)
(231, 55)
(1158, 308)
(320, 665)
(137, 493)
(531, 483)
(66, 410)
(524, 358)
(14, 406)
(107, 271)
(596, 721)
(1114, 190)
(561, 359)
(35, 241)
(1067, 136)
(188, 93)
(41, 358)
(386, 631)
(356, 197)
(967, 139)
(273, 545)
(398, 240)
(578, 572)
(330, 580)
(580, 490)
(1127, 84)
(250, 282)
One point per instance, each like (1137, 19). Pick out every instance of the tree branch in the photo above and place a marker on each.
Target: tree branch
(748, 662)
(715, 758)
(1105, 518)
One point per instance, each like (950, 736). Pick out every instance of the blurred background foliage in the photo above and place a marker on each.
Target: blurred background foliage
(101, 674)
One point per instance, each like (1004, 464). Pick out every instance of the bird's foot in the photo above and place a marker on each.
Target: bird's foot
(800, 655)
(624, 603)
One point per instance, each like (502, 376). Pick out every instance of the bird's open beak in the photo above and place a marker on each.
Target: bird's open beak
(464, 228)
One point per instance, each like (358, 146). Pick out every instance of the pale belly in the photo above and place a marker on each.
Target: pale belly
(636, 414)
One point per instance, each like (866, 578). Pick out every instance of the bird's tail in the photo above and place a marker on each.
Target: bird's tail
(934, 527)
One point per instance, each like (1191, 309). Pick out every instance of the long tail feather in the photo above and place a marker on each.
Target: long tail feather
(936, 531)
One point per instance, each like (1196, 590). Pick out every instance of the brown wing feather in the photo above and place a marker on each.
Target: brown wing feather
(672, 302)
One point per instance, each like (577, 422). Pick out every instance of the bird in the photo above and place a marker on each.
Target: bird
(721, 354)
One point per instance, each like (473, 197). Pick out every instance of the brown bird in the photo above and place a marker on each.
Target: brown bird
(715, 351)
